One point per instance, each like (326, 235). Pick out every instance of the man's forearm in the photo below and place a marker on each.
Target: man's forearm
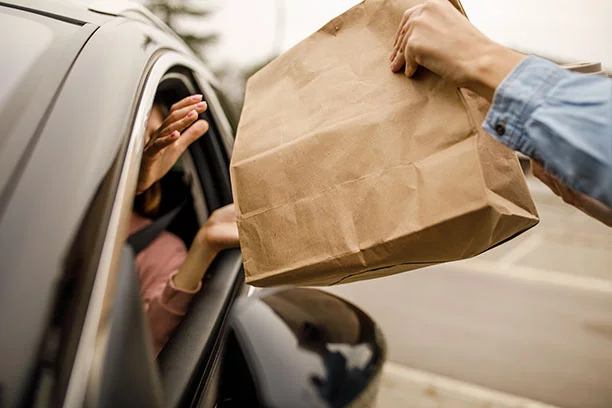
(561, 118)
(492, 64)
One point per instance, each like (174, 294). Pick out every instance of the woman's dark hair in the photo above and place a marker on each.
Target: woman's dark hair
(147, 204)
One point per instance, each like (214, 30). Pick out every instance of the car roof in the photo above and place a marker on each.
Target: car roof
(64, 10)
(47, 36)
(73, 28)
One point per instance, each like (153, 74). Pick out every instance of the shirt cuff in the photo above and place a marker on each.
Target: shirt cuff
(523, 90)
(175, 299)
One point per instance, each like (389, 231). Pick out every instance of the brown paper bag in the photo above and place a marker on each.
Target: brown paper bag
(589, 68)
(344, 171)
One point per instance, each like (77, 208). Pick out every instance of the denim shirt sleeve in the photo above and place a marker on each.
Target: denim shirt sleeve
(563, 119)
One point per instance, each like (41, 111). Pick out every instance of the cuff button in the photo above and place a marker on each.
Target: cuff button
(500, 129)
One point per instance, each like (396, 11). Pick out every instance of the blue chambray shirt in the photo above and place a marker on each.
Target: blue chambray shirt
(564, 119)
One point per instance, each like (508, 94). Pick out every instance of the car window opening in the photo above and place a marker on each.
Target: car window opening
(165, 227)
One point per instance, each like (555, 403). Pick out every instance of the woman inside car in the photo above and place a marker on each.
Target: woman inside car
(170, 275)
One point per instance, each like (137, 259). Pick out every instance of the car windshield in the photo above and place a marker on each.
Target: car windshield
(20, 50)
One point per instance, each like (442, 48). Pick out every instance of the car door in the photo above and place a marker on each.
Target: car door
(112, 364)
(190, 361)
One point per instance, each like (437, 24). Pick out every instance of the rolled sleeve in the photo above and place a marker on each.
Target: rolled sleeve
(175, 299)
(561, 118)
(167, 310)
(517, 98)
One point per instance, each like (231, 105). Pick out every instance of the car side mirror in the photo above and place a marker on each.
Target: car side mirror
(298, 347)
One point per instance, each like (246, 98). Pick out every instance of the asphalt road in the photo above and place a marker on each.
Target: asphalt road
(532, 318)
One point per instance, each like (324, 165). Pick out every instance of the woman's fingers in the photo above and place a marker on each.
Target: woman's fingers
(180, 119)
(182, 114)
(161, 143)
(190, 100)
(184, 140)
(196, 131)
(170, 122)
(223, 235)
(221, 231)
(226, 213)
(181, 124)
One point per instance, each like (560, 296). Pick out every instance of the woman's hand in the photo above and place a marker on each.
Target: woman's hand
(218, 233)
(220, 230)
(584, 203)
(166, 143)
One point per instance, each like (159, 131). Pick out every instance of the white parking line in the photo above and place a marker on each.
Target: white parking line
(522, 249)
(538, 275)
(402, 386)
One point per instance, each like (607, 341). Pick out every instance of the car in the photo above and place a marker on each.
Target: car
(78, 84)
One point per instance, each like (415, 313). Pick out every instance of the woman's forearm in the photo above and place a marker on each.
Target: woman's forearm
(198, 260)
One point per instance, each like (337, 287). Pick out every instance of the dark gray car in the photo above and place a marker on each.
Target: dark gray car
(76, 88)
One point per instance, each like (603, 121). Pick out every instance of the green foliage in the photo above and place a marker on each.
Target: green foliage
(172, 11)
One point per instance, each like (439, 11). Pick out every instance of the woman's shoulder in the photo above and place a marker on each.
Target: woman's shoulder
(168, 241)
(165, 241)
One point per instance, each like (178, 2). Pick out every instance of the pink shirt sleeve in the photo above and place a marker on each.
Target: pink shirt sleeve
(157, 264)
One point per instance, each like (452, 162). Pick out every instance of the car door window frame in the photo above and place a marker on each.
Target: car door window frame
(83, 386)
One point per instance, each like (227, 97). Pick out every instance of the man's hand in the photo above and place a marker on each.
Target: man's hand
(583, 202)
(166, 143)
(437, 36)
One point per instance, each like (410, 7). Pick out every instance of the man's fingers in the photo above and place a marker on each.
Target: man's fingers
(401, 56)
(398, 62)
(400, 59)
(411, 67)
(190, 100)
(405, 17)
(397, 48)
(410, 64)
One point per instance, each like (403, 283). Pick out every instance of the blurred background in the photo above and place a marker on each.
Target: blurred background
(237, 37)
(532, 318)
